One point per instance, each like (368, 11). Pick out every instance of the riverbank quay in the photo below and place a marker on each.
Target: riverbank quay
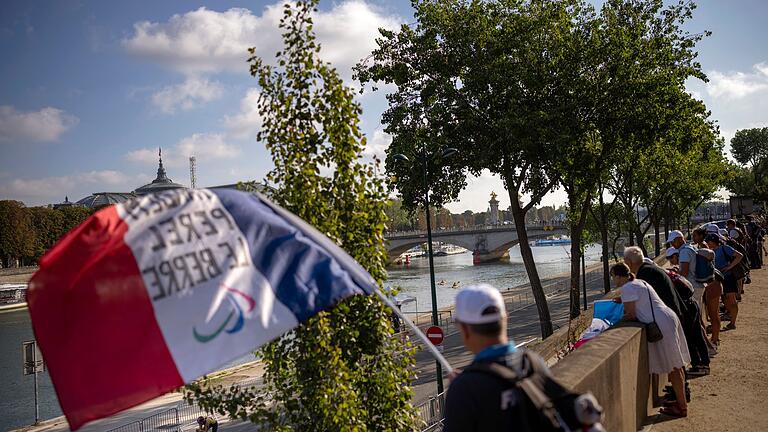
(734, 397)
(17, 275)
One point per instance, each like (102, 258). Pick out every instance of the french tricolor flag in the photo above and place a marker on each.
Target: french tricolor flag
(155, 292)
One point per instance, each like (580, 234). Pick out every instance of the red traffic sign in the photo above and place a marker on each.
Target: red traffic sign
(435, 335)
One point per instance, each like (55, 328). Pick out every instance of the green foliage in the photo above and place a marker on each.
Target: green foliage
(17, 234)
(342, 370)
(750, 146)
(26, 233)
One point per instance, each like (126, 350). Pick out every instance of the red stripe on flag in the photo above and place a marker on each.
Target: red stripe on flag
(95, 323)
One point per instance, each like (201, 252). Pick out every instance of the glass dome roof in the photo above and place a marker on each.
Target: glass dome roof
(100, 199)
(160, 183)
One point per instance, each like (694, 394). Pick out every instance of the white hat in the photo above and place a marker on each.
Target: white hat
(674, 235)
(671, 251)
(473, 300)
(712, 228)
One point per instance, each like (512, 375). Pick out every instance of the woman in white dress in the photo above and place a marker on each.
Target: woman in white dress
(668, 355)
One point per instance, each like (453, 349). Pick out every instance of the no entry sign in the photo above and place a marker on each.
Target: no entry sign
(435, 335)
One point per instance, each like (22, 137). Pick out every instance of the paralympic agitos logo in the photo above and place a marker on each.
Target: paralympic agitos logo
(236, 312)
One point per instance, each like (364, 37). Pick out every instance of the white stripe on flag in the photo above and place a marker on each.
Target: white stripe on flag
(211, 303)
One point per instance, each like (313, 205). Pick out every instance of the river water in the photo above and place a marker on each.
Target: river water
(17, 391)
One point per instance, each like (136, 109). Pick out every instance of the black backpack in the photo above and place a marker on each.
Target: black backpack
(547, 405)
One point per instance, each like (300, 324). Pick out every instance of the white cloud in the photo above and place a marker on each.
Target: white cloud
(54, 189)
(201, 145)
(207, 41)
(188, 95)
(737, 85)
(378, 144)
(45, 125)
(246, 123)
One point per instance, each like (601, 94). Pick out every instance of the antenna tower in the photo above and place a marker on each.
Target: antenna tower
(192, 172)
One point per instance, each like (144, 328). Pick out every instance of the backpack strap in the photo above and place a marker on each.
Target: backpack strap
(532, 385)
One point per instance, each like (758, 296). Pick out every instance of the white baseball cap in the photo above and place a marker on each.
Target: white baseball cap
(712, 228)
(671, 251)
(674, 235)
(473, 300)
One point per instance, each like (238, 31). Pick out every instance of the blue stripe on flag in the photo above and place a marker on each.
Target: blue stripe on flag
(308, 272)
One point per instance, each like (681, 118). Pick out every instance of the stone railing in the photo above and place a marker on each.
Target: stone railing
(614, 367)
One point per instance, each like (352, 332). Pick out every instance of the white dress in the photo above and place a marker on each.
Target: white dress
(672, 350)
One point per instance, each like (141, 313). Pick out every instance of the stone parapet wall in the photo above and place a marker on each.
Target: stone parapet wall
(614, 367)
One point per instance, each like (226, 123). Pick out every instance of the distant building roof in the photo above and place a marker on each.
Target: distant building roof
(100, 199)
(160, 183)
(65, 203)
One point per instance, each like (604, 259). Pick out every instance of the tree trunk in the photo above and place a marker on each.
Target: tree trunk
(639, 237)
(656, 241)
(576, 228)
(545, 321)
(604, 241)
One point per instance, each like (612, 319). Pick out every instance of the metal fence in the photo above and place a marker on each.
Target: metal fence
(180, 418)
(431, 413)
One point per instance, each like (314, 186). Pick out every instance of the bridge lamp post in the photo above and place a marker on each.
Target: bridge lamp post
(424, 158)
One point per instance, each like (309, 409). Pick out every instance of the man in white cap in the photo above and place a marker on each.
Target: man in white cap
(686, 259)
(479, 401)
(474, 400)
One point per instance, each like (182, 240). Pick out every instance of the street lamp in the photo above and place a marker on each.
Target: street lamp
(424, 158)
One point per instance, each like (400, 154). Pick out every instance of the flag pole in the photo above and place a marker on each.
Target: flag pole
(432, 349)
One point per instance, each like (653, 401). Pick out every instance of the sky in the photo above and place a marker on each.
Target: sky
(90, 89)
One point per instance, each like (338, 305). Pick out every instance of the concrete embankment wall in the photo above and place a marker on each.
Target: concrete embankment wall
(614, 367)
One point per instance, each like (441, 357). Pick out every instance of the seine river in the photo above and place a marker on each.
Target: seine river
(17, 391)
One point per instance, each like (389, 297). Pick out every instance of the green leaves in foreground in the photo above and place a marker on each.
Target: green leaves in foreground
(342, 370)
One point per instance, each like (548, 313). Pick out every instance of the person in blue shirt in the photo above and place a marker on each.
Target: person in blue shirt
(726, 258)
(479, 401)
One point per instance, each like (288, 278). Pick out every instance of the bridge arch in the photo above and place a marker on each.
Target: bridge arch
(404, 246)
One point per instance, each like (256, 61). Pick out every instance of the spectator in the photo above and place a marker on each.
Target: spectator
(735, 232)
(694, 333)
(474, 400)
(679, 300)
(726, 258)
(656, 278)
(697, 237)
(687, 259)
(668, 355)
(755, 248)
(673, 257)
(481, 398)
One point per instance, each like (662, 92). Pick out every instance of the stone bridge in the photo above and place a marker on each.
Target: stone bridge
(489, 243)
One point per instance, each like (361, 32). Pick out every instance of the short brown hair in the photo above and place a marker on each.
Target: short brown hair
(622, 270)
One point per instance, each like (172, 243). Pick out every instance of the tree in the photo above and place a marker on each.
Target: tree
(399, 218)
(48, 226)
(480, 77)
(342, 370)
(17, 234)
(750, 146)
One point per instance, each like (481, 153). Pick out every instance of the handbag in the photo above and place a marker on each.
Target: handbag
(739, 271)
(652, 330)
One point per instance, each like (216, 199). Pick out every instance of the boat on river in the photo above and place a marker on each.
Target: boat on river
(13, 296)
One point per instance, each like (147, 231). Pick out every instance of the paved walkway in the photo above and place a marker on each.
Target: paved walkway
(734, 397)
